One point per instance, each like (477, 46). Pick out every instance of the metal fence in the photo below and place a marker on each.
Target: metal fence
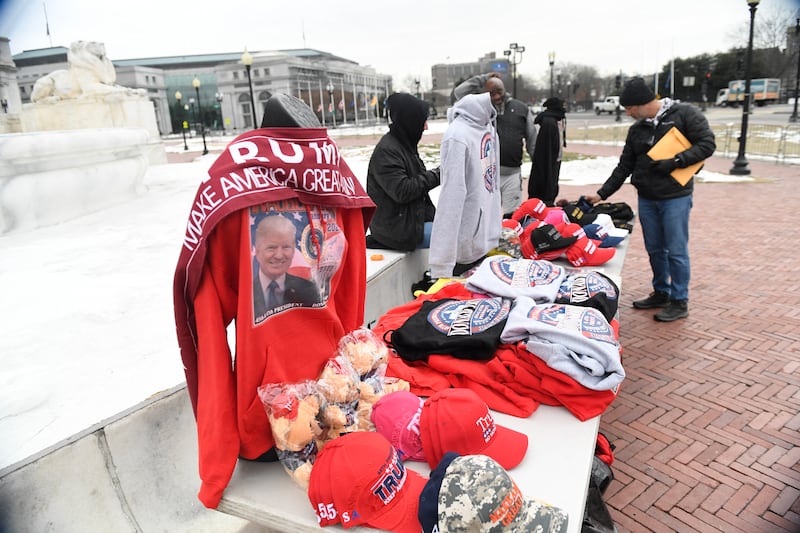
(778, 143)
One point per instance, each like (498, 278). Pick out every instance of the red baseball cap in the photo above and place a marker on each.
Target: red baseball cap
(457, 420)
(396, 417)
(532, 207)
(572, 230)
(587, 252)
(359, 479)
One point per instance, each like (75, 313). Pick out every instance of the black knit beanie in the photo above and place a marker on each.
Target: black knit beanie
(636, 92)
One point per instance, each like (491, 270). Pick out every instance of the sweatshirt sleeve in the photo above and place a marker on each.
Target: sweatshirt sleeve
(449, 210)
(217, 433)
(215, 305)
(530, 133)
(472, 85)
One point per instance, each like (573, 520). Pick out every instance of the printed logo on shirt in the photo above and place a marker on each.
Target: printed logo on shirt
(524, 273)
(295, 253)
(489, 162)
(468, 317)
(584, 320)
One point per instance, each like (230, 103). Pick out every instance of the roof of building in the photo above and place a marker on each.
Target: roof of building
(41, 56)
(215, 59)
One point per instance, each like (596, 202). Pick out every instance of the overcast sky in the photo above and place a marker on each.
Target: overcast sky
(401, 38)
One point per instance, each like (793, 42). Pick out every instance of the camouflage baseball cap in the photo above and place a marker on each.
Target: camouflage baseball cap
(477, 494)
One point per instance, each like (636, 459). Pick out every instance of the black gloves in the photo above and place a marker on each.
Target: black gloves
(665, 166)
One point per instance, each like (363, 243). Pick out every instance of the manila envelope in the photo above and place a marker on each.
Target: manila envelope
(672, 143)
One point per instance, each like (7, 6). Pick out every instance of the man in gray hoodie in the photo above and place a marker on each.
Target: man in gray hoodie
(469, 216)
(515, 126)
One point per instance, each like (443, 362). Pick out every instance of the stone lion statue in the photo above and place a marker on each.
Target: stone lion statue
(90, 75)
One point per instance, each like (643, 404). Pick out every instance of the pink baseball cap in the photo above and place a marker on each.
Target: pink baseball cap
(458, 420)
(396, 417)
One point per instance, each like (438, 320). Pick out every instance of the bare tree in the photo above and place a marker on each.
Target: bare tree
(770, 30)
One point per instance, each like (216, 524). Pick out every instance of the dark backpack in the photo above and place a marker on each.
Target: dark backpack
(620, 212)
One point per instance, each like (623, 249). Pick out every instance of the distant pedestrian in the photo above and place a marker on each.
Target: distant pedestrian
(515, 127)
(468, 217)
(398, 182)
(664, 204)
(548, 151)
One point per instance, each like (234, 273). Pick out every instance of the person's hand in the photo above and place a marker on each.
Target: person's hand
(664, 166)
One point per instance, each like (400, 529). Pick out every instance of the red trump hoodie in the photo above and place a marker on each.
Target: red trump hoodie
(274, 246)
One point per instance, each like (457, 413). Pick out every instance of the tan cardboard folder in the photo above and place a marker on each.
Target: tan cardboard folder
(674, 142)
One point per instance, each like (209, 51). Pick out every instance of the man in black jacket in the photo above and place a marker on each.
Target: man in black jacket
(398, 182)
(664, 204)
(515, 126)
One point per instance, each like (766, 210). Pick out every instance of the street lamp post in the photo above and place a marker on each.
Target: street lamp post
(740, 165)
(551, 58)
(511, 53)
(247, 61)
(193, 117)
(196, 85)
(218, 98)
(178, 97)
(330, 88)
(794, 117)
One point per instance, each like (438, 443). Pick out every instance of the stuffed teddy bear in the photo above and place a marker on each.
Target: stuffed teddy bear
(369, 356)
(292, 410)
(365, 350)
(369, 397)
(338, 383)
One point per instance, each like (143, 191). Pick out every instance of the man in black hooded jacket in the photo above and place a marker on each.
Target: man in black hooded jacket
(398, 182)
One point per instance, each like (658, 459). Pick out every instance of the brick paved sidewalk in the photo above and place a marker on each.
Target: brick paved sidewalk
(707, 422)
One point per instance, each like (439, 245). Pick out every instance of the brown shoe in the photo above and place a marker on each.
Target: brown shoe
(656, 299)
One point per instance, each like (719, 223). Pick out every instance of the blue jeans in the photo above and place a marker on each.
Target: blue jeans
(665, 227)
(426, 236)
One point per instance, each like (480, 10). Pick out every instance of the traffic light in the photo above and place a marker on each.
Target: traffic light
(618, 82)
(708, 75)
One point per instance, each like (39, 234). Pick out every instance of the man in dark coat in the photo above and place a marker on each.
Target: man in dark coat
(548, 151)
(664, 203)
(398, 182)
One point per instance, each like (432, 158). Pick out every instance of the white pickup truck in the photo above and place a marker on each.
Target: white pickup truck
(609, 105)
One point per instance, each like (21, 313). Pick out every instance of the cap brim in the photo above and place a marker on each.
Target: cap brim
(538, 516)
(403, 515)
(560, 244)
(564, 242)
(600, 256)
(611, 242)
(508, 447)
(551, 255)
